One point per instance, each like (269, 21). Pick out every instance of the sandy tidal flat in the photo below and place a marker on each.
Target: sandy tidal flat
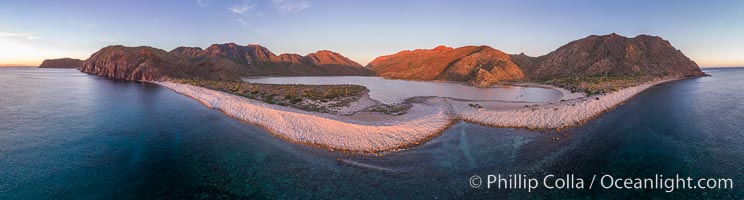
(379, 132)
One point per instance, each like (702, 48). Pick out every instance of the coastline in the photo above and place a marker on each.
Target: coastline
(325, 130)
(559, 115)
(428, 117)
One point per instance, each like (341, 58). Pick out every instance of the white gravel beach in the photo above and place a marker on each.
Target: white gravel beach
(325, 130)
(550, 116)
(376, 132)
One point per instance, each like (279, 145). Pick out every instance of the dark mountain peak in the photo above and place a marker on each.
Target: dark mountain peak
(612, 55)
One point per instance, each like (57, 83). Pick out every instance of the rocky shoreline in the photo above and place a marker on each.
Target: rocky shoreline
(429, 116)
(559, 115)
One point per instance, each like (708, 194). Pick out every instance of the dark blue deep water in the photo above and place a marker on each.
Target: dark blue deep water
(66, 135)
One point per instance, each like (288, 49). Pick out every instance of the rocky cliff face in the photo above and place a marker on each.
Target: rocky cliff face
(140, 63)
(259, 61)
(580, 64)
(476, 65)
(62, 63)
(219, 61)
(640, 58)
(610, 55)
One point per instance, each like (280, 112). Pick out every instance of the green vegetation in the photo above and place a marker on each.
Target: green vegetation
(594, 85)
(395, 109)
(316, 98)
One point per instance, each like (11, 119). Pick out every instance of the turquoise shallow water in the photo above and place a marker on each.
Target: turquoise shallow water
(64, 134)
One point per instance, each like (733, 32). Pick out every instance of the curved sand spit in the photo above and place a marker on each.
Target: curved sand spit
(423, 121)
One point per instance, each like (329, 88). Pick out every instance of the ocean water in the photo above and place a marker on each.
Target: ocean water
(66, 135)
(396, 91)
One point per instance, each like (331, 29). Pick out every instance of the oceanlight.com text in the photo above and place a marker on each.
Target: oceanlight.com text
(604, 181)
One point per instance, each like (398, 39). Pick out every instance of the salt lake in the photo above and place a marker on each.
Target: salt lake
(391, 91)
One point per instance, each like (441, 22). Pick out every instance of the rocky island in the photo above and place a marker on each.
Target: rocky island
(62, 63)
(594, 74)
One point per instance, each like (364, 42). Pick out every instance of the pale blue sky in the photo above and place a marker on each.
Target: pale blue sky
(709, 32)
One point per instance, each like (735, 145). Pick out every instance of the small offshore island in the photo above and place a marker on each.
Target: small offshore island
(62, 63)
(593, 75)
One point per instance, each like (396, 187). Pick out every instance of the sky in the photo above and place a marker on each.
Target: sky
(709, 32)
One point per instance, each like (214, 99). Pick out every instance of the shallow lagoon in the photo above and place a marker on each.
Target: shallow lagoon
(396, 91)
